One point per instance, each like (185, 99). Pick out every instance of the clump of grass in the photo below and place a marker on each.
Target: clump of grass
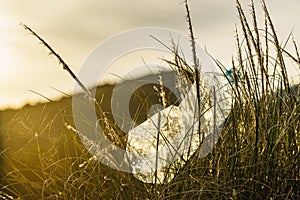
(256, 157)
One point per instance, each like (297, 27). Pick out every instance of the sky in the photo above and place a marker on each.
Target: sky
(74, 28)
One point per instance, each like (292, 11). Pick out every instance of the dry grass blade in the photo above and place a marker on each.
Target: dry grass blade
(196, 70)
(60, 60)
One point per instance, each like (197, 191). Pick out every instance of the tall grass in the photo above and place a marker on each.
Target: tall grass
(256, 157)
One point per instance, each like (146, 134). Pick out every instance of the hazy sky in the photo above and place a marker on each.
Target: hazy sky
(74, 28)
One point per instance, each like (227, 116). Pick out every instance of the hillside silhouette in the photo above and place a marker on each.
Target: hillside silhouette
(39, 131)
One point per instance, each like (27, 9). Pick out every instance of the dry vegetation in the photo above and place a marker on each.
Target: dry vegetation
(256, 157)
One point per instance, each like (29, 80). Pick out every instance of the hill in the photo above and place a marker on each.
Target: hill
(35, 141)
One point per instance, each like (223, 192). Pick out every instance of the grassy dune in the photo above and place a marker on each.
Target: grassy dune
(41, 158)
(256, 157)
